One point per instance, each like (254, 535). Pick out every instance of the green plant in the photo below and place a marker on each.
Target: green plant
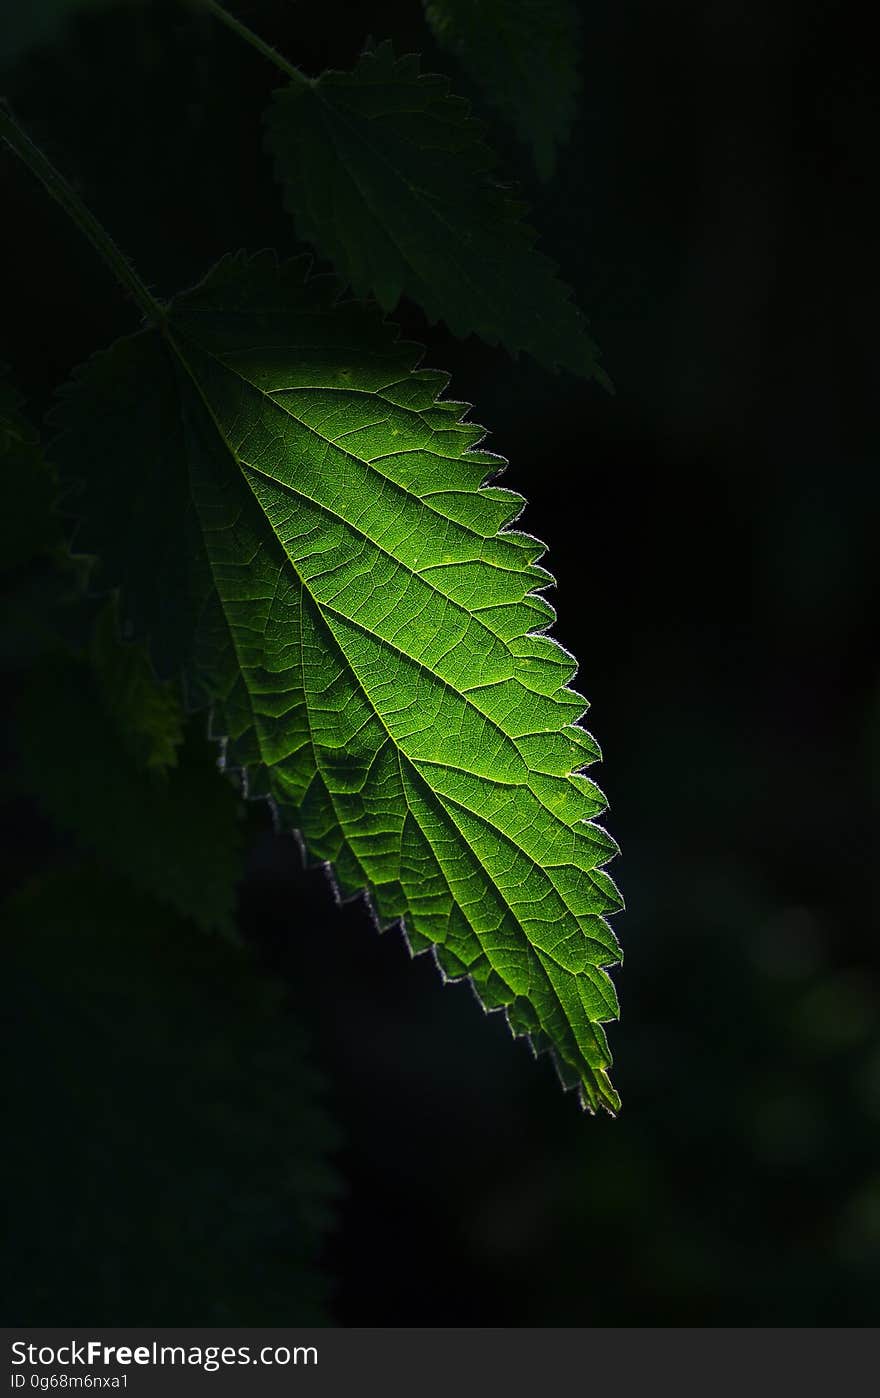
(302, 536)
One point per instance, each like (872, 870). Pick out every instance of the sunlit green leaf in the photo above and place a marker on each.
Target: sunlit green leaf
(366, 626)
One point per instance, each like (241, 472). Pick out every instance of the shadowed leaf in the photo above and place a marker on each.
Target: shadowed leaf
(32, 528)
(386, 173)
(176, 836)
(524, 54)
(148, 715)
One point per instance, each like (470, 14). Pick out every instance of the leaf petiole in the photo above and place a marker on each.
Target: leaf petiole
(70, 201)
(256, 42)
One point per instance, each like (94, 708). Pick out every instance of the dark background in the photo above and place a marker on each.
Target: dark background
(713, 531)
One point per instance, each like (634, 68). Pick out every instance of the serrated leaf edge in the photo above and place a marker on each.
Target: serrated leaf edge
(342, 296)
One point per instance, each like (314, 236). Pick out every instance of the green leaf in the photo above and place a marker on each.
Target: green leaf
(42, 584)
(386, 173)
(369, 630)
(148, 715)
(28, 523)
(176, 836)
(524, 54)
(170, 1161)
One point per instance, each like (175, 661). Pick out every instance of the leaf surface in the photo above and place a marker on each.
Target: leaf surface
(524, 54)
(32, 527)
(148, 717)
(176, 835)
(369, 631)
(387, 174)
(41, 583)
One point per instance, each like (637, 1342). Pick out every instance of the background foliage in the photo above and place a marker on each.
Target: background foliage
(712, 530)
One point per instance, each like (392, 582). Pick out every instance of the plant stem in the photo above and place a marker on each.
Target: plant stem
(256, 42)
(84, 219)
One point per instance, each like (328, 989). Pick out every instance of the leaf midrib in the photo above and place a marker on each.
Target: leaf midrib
(537, 952)
(402, 756)
(472, 615)
(324, 608)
